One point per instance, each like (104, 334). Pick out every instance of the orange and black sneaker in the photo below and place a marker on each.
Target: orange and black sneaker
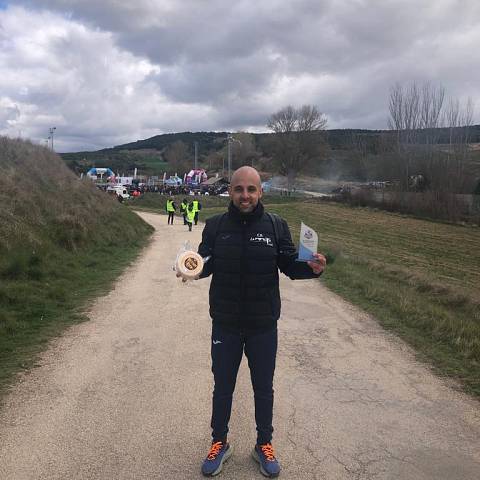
(219, 453)
(265, 456)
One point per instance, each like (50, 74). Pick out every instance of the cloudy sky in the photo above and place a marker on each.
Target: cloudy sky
(114, 71)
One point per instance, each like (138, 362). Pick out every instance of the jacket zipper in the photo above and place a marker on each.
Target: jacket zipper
(242, 270)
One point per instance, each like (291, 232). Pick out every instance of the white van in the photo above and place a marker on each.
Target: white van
(119, 190)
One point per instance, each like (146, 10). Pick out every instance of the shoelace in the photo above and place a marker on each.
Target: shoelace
(214, 450)
(267, 450)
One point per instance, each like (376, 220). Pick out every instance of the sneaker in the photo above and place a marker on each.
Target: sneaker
(265, 456)
(219, 453)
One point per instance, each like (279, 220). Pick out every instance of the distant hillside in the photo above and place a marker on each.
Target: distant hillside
(148, 155)
(207, 141)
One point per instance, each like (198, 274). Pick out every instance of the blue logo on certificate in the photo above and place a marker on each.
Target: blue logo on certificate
(308, 243)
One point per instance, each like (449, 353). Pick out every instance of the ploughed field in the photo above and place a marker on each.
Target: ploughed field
(441, 256)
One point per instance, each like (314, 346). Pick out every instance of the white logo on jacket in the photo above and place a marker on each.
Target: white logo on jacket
(261, 238)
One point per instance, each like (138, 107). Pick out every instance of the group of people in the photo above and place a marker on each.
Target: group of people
(189, 210)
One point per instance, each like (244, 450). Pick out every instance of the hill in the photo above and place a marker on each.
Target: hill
(148, 155)
(61, 240)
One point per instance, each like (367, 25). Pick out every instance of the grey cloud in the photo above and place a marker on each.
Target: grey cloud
(7, 114)
(214, 83)
(227, 66)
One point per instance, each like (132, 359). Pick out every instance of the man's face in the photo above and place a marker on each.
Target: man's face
(245, 191)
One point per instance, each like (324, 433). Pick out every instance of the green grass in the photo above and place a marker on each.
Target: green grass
(42, 291)
(419, 278)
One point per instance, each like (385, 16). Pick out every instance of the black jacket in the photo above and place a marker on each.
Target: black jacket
(245, 258)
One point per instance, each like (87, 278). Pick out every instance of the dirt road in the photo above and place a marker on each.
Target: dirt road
(127, 394)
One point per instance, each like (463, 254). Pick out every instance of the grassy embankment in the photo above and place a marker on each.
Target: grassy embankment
(419, 278)
(62, 242)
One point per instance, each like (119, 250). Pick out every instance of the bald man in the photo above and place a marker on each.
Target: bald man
(247, 248)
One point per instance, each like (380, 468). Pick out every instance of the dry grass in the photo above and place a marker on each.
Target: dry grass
(419, 278)
(39, 195)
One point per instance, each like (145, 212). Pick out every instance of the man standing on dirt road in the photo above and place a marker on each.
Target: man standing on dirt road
(247, 247)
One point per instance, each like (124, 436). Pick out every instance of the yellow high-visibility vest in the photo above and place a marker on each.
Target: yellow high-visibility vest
(195, 205)
(170, 207)
(190, 215)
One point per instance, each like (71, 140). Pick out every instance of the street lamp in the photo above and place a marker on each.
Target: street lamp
(51, 131)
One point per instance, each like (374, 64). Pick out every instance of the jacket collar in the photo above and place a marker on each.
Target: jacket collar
(238, 216)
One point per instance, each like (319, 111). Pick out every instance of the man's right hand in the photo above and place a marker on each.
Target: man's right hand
(184, 280)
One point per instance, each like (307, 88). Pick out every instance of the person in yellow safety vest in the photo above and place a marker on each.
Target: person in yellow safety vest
(183, 210)
(197, 207)
(190, 215)
(171, 207)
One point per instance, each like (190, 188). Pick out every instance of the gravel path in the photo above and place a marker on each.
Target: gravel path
(127, 395)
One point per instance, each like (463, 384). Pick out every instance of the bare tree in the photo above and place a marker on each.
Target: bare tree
(466, 120)
(411, 113)
(284, 121)
(431, 112)
(395, 108)
(404, 108)
(458, 119)
(416, 115)
(297, 140)
(310, 119)
(452, 118)
(431, 105)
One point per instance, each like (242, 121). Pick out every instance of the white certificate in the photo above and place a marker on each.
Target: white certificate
(308, 243)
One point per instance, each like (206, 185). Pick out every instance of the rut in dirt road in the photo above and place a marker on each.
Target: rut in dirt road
(127, 395)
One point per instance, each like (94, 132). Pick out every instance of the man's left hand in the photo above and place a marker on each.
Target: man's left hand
(318, 265)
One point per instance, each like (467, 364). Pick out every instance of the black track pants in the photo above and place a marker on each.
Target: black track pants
(227, 351)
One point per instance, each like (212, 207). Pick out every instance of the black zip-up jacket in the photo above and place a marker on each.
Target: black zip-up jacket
(245, 259)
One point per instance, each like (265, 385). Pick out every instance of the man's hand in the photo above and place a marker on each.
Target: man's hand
(318, 265)
(184, 280)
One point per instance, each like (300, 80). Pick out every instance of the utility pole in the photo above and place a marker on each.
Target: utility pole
(230, 139)
(52, 130)
(196, 155)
